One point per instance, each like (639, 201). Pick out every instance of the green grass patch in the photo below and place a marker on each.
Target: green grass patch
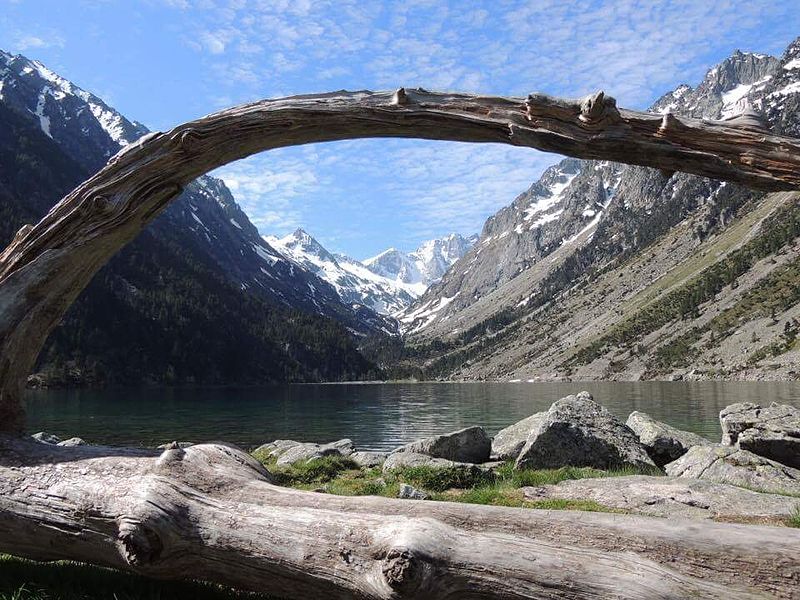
(566, 504)
(794, 520)
(22, 579)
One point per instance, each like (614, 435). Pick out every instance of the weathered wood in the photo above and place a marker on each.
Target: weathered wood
(47, 265)
(210, 511)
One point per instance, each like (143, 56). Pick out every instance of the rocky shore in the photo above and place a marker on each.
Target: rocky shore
(576, 455)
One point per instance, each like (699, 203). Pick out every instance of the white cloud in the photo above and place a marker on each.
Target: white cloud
(30, 42)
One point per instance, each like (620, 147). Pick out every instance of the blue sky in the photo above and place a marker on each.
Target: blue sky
(168, 61)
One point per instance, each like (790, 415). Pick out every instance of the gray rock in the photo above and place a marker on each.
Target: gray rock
(46, 438)
(508, 442)
(73, 441)
(663, 442)
(291, 451)
(401, 460)
(576, 431)
(772, 432)
(671, 497)
(410, 493)
(368, 459)
(470, 444)
(174, 445)
(731, 465)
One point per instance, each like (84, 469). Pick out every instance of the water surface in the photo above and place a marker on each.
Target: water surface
(374, 416)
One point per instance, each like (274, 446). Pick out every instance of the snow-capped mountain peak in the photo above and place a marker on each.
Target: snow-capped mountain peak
(388, 282)
(424, 266)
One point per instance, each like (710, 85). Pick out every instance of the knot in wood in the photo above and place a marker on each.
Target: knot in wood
(597, 107)
(405, 572)
(139, 544)
(99, 204)
(191, 141)
(400, 97)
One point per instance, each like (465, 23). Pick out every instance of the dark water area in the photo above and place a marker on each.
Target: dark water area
(374, 416)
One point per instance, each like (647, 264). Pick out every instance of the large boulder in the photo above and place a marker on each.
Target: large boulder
(470, 444)
(671, 497)
(290, 451)
(734, 466)
(663, 442)
(73, 441)
(508, 442)
(772, 432)
(576, 431)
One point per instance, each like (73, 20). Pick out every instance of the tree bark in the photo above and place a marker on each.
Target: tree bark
(210, 510)
(47, 265)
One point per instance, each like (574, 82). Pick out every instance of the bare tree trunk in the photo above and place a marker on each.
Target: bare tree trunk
(210, 511)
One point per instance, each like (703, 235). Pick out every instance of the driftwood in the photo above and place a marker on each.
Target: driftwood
(209, 511)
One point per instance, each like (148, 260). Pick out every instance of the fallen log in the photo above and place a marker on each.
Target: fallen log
(210, 511)
(47, 265)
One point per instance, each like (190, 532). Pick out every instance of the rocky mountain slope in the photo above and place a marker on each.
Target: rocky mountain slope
(609, 271)
(387, 283)
(201, 261)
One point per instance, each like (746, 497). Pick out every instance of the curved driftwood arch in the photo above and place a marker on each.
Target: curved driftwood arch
(211, 510)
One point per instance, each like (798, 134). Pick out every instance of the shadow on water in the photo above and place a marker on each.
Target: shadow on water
(374, 416)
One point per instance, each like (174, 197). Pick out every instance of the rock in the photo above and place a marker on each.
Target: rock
(663, 442)
(731, 465)
(772, 432)
(410, 493)
(470, 445)
(291, 451)
(73, 441)
(46, 438)
(671, 497)
(508, 442)
(174, 445)
(401, 460)
(576, 431)
(368, 459)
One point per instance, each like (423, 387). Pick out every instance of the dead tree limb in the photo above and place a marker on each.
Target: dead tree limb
(210, 510)
(47, 265)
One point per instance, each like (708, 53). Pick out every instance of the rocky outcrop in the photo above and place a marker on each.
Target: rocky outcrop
(772, 432)
(508, 442)
(727, 464)
(663, 442)
(290, 451)
(576, 431)
(469, 445)
(671, 497)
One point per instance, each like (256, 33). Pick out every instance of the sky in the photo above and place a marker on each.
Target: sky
(163, 62)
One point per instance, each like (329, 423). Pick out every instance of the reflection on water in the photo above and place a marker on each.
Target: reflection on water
(374, 416)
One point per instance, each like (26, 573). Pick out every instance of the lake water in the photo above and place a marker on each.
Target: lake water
(374, 416)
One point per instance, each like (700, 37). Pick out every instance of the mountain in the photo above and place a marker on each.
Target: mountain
(388, 283)
(601, 270)
(426, 265)
(200, 267)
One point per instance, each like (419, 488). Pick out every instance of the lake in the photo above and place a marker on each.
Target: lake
(374, 416)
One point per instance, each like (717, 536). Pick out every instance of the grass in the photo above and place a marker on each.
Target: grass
(501, 487)
(794, 520)
(22, 579)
